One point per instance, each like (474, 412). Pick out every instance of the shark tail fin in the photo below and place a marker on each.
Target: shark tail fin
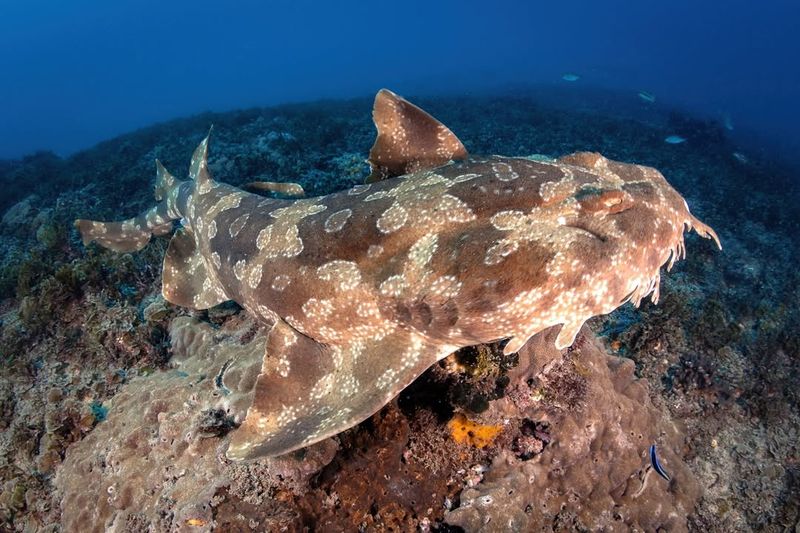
(128, 235)
(134, 234)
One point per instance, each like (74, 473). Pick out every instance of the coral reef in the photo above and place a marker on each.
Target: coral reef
(154, 460)
(164, 466)
(591, 471)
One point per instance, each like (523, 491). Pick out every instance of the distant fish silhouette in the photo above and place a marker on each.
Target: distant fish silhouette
(727, 122)
(569, 76)
(740, 157)
(675, 139)
(647, 97)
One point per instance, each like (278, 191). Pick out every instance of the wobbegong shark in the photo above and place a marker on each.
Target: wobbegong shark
(366, 288)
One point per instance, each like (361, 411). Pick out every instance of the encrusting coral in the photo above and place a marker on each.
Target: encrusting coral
(162, 467)
(591, 471)
(154, 460)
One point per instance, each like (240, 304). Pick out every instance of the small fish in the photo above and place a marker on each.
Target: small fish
(675, 139)
(656, 464)
(727, 122)
(740, 157)
(569, 76)
(646, 96)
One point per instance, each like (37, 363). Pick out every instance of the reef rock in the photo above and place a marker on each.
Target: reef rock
(158, 459)
(591, 470)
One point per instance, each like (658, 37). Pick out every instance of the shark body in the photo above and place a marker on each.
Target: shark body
(366, 288)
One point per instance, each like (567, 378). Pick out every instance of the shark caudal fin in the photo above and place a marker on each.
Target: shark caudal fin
(409, 139)
(134, 234)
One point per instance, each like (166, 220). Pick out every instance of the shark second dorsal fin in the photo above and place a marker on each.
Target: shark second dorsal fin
(185, 279)
(198, 168)
(165, 182)
(409, 139)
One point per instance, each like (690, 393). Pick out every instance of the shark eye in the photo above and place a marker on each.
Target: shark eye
(602, 201)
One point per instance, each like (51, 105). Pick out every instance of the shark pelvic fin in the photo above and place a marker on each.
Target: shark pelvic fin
(185, 279)
(409, 139)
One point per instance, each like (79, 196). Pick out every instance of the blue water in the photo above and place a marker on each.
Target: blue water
(75, 73)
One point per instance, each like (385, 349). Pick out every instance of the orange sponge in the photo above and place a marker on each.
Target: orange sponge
(465, 431)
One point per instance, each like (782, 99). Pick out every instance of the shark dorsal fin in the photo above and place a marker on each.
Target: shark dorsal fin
(198, 169)
(165, 182)
(409, 139)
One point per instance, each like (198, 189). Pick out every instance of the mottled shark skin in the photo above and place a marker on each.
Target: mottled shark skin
(367, 288)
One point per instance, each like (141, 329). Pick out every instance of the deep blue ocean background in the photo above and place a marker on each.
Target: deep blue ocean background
(80, 72)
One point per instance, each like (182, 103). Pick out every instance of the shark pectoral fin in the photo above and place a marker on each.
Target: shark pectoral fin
(185, 279)
(291, 190)
(409, 139)
(308, 391)
(280, 416)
